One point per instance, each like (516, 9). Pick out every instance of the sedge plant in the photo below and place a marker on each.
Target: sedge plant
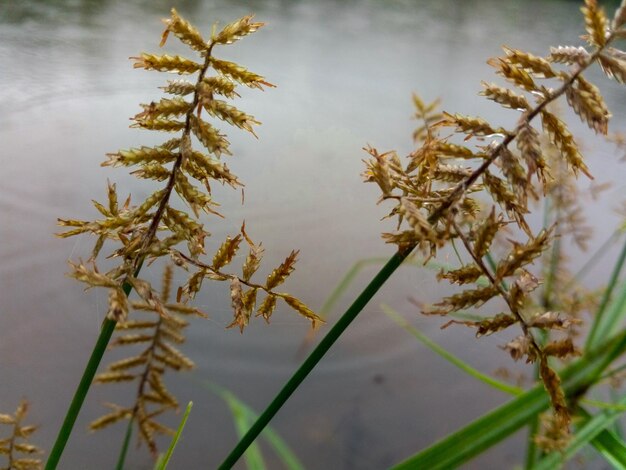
(468, 181)
(183, 167)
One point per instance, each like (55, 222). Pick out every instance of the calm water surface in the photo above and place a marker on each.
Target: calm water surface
(345, 72)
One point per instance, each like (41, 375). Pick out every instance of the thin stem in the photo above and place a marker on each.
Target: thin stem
(129, 431)
(81, 391)
(311, 361)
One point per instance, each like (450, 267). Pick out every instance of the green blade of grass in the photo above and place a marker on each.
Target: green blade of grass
(464, 444)
(606, 319)
(589, 430)
(164, 459)
(611, 447)
(246, 417)
(448, 356)
(252, 456)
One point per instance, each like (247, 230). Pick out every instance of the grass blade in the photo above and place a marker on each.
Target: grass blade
(164, 459)
(464, 444)
(448, 356)
(244, 418)
(605, 322)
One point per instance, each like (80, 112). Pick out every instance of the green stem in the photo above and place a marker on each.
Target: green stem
(106, 331)
(81, 392)
(307, 366)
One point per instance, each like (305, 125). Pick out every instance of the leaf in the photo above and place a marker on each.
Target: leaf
(461, 446)
(164, 460)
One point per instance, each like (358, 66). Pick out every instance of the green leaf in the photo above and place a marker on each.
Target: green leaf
(609, 314)
(244, 417)
(165, 458)
(461, 446)
(448, 356)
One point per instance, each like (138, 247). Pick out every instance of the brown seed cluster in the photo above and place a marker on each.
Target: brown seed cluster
(487, 192)
(187, 165)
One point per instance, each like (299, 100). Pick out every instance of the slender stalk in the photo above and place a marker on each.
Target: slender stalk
(81, 391)
(124, 450)
(307, 366)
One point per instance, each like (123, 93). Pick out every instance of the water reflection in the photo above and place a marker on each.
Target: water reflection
(345, 72)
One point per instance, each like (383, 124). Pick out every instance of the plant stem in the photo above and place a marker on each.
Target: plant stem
(124, 450)
(311, 361)
(81, 391)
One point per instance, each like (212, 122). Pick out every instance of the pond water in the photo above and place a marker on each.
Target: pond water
(344, 71)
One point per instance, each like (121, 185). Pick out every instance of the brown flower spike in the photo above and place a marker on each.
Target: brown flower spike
(154, 228)
(436, 200)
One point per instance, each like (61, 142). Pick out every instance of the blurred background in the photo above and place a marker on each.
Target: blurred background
(344, 71)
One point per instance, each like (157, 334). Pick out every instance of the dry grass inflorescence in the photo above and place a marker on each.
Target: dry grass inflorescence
(20, 453)
(155, 228)
(471, 181)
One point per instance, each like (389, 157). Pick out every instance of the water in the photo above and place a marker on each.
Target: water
(345, 72)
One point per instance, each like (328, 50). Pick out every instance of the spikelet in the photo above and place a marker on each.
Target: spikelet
(16, 447)
(280, 274)
(613, 68)
(563, 139)
(530, 150)
(517, 75)
(224, 255)
(486, 232)
(210, 137)
(179, 87)
(140, 155)
(470, 125)
(184, 31)
(468, 298)
(240, 74)
(569, 55)
(595, 23)
(552, 383)
(231, 115)
(504, 96)
(521, 255)
(487, 326)
(539, 66)
(620, 17)
(588, 103)
(166, 63)
(165, 108)
(218, 84)
(237, 30)
(463, 275)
